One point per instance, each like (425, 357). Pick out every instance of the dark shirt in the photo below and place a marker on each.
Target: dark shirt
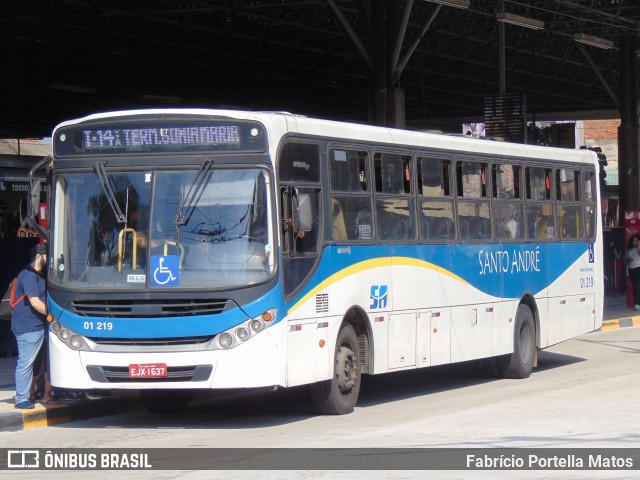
(25, 318)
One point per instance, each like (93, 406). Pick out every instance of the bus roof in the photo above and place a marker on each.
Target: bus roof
(279, 123)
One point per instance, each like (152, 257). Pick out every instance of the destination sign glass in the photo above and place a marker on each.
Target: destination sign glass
(159, 137)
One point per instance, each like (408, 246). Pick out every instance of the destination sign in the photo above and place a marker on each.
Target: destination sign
(162, 137)
(98, 139)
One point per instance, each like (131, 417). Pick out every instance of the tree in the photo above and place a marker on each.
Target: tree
(538, 135)
(602, 160)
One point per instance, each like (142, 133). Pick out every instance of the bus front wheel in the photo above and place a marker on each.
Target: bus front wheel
(339, 395)
(520, 363)
(165, 401)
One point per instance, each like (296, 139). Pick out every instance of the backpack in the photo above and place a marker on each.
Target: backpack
(9, 301)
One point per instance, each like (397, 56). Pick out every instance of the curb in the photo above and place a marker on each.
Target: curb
(14, 420)
(620, 323)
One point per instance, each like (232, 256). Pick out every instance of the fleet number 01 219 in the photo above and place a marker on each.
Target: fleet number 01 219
(98, 326)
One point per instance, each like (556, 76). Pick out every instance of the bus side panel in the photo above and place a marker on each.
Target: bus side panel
(402, 340)
(572, 296)
(441, 336)
(543, 314)
(423, 346)
(504, 315)
(310, 351)
(471, 332)
(380, 344)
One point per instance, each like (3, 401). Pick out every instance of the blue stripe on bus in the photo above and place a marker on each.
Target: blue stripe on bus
(502, 271)
(161, 327)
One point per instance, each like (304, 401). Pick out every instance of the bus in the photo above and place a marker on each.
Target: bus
(195, 249)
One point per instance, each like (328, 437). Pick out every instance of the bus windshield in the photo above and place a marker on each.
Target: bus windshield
(113, 227)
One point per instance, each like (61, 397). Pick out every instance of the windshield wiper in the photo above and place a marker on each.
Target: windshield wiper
(106, 186)
(187, 205)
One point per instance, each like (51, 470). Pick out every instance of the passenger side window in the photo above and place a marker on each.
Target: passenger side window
(474, 213)
(393, 173)
(540, 221)
(589, 189)
(567, 182)
(395, 215)
(538, 182)
(349, 170)
(434, 176)
(351, 201)
(300, 163)
(472, 179)
(434, 189)
(569, 214)
(508, 211)
(506, 181)
(540, 217)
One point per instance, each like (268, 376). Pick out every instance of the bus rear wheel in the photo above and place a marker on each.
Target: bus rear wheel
(339, 395)
(165, 401)
(520, 363)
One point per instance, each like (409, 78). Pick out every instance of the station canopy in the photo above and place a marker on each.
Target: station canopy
(63, 59)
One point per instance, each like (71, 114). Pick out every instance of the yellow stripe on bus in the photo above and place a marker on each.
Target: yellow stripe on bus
(371, 264)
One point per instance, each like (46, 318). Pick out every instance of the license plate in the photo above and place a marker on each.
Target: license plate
(147, 370)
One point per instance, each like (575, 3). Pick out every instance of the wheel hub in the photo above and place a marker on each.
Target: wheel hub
(346, 369)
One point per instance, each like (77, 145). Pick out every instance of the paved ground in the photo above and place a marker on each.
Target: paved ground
(616, 315)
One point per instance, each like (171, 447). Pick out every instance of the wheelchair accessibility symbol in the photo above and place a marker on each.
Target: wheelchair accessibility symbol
(166, 270)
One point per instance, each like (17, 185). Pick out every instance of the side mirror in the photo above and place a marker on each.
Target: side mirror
(302, 213)
(34, 194)
(33, 199)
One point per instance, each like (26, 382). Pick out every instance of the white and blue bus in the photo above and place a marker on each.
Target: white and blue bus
(211, 249)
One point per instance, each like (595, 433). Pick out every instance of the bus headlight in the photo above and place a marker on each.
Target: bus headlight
(256, 325)
(242, 334)
(70, 338)
(225, 340)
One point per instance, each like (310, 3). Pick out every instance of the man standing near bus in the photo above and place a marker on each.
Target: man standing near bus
(28, 321)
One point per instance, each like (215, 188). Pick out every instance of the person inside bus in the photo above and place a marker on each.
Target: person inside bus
(542, 227)
(567, 190)
(633, 268)
(339, 230)
(507, 226)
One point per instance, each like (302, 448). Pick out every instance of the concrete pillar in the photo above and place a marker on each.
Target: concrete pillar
(396, 108)
(628, 134)
(379, 55)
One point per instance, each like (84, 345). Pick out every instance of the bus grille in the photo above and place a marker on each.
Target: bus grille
(151, 342)
(194, 373)
(149, 308)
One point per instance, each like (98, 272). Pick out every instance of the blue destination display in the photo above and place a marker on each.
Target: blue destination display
(158, 137)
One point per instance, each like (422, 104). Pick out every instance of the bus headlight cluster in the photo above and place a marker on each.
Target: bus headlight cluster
(243, 332)
(68, 337)
(225, 340)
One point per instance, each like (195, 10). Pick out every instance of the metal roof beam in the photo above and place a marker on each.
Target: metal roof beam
(596, 70)
(351, 32)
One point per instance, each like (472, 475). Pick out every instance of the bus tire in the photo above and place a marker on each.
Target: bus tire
(520, 363)
(165, 401)
(339, 395)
